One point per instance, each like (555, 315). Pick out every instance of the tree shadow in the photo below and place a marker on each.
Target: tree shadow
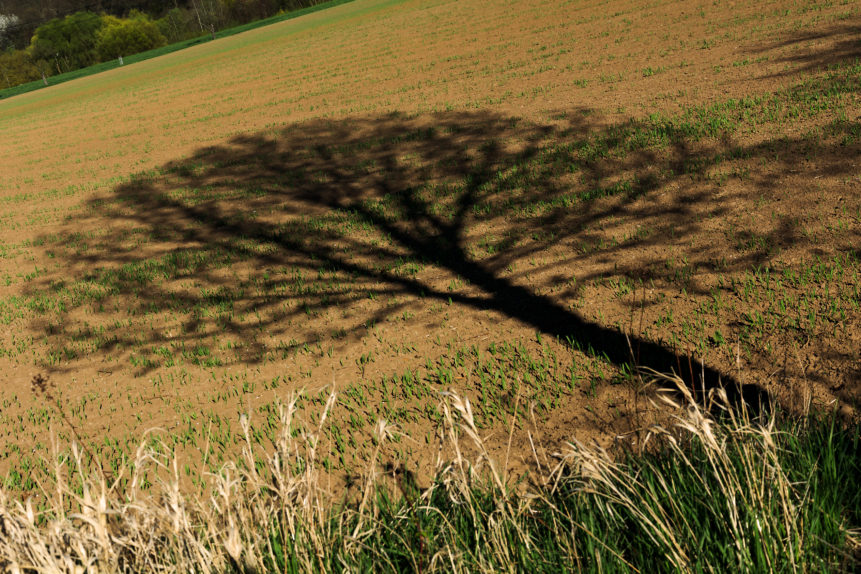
(815, 50)
(277, 240)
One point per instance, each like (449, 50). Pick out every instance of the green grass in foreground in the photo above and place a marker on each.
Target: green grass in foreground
(149, 54)
(718, 495)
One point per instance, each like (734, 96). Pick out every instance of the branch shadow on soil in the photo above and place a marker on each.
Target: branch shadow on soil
(350, 222)
(812, 51)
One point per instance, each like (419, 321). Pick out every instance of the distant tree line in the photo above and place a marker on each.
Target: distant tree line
(41, 38)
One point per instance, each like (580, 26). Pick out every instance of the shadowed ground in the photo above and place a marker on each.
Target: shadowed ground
(578, 230)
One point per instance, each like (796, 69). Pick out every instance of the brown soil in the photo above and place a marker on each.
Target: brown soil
(240, 139)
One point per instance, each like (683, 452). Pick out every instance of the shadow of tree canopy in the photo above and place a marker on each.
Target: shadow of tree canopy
(818, 49)
(278, 239)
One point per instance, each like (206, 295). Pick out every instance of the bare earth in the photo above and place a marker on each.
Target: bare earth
(388, 191)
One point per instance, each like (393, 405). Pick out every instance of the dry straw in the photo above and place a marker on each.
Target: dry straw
(268, 512)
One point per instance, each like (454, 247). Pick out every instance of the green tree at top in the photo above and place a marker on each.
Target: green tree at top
(70, 42)
(119, 37)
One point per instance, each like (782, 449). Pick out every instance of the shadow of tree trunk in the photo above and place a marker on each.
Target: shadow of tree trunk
(288, 225)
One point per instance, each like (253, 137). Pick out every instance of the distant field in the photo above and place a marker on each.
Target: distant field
(394, 198)
(149, 54)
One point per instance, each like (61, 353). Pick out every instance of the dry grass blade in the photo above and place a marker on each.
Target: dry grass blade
(265, 503)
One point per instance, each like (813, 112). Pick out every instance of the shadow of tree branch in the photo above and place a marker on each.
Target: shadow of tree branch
(325, 227)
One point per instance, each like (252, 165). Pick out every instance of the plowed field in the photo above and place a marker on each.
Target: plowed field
(514, 201)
